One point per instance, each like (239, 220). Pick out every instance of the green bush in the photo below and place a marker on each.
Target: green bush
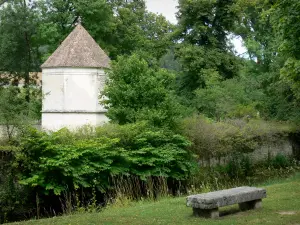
(280, 161)
(51, 164)
(239, 171)
(63, 160)
(137, 91)
(13, 196)
(213, 140)
(239, 166)
(15, 111)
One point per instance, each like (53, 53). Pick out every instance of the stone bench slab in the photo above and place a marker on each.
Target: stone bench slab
(214, 200)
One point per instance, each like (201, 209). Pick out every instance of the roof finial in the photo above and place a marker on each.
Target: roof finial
(79, 20)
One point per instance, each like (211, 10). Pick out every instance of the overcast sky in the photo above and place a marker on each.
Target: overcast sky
(165, 7)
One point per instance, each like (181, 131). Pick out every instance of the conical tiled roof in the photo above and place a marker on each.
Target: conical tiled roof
(79, 49)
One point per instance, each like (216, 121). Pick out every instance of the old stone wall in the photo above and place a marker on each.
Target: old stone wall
(282, 145)
(288, 146)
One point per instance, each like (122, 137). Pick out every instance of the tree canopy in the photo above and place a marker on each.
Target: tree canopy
(137, 92)
(208, 76)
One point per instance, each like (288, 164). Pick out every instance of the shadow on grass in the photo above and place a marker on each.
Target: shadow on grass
(228, 212)
(223, 212)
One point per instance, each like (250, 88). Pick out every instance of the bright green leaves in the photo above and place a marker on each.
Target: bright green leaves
(15, 111)
(285, 19)
(56, 166)
(119, 27)
(51, 163)
(18, 33)
(137, 92)
(203, 32)
(290, 74)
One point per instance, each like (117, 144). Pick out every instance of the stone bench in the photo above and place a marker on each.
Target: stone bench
(207, 205)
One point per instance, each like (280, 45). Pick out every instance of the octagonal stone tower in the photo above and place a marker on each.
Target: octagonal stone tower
(72, 79)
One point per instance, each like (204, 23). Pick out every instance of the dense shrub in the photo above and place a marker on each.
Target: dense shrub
(73, 170)
(239, 166)
(13, 196)
(58, 172)
(63, 160)
(137, 91)
(240, 171)
(15, 111)
(212, 140)
(280, 161)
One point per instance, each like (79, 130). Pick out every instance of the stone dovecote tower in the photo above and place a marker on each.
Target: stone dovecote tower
(72, 79)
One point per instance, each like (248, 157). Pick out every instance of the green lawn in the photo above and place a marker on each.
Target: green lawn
(282, 206)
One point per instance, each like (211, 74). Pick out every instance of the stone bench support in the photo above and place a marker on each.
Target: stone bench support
(207, 205)
(206, 213)
(256, 204)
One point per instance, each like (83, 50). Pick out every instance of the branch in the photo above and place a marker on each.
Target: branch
(2, 2)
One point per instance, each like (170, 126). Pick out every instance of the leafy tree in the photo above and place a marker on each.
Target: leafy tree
(257, 32)
(269, 31)
(15, 111)
(137, 92)
(203, 30)
(233, 98)
(137, 30)
(19, 53)
(120, 27)
(286, 20)
(169, 61)
(60, 16)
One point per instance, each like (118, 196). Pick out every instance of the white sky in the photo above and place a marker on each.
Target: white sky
(168, 9)
(165, 7)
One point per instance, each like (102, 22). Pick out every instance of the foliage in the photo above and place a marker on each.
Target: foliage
(119, 27)
(233, 98)
(285, 20)
(268, 29)
(111, 151)
(19, 51)
(218, 139)
(15, 111)
(169, 62)
(76, 164)
(257, 31)
(137, 92)
(59, 17)
(239, 166)
(282, 198)
(137, 30)
(280, 161)
(204, 49)
(13, 196)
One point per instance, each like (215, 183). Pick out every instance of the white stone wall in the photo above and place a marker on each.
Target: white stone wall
(71, 97)
(56, 121)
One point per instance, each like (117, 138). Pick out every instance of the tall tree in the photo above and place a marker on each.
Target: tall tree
(136, 29)
(257, 32)
(135, 91)
(60, 16)
(203, 30)
(286, 20)
(19, 53)
(119, 26)
(265, 27)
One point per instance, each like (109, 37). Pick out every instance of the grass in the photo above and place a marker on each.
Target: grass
(282, 206)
